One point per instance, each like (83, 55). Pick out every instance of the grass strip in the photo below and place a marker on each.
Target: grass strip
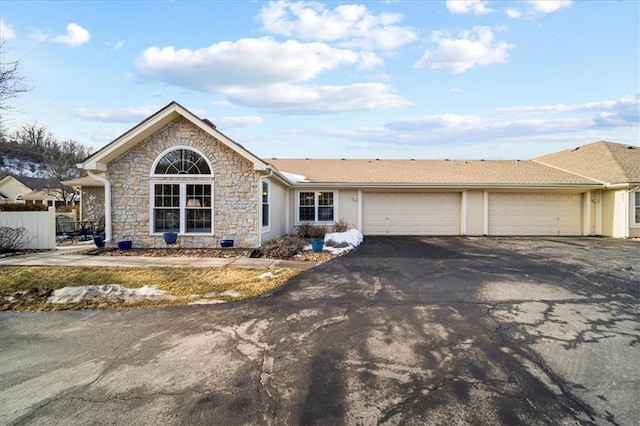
(27, 287)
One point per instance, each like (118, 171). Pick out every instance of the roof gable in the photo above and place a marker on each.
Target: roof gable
(31, 183)
(606, 162)
(99, 160)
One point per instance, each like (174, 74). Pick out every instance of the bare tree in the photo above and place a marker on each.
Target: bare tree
(12, 82)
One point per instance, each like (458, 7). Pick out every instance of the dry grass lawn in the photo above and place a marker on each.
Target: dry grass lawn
(27, 287)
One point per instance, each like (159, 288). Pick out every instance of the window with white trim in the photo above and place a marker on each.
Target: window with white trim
(316, 206)
(636, 207)
(266, 203)
(179, 202)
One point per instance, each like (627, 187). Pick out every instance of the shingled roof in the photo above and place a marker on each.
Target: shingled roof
(603, 161)
(429, 172)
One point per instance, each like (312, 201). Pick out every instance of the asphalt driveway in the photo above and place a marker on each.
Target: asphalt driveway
(400, 331)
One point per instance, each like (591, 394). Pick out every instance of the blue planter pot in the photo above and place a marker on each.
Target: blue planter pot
(226, 243)
(170, 237)
(125, 245)
(317, 244)
(99, 242)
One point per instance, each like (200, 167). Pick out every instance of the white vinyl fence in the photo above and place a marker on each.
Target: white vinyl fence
(40, 227)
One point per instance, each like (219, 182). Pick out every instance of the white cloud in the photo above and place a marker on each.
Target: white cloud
(293, 99)
(455, 90)
(122, 115)
(513, 13)
(75, 36)
(549, 6)
(102, 135)
(224, 103)
(469, 49)
(349, 25)
(115, 46)
(6, 32)
(238, 122)
(228, 64)
(447, 121)
(608, 113)
(477, 7)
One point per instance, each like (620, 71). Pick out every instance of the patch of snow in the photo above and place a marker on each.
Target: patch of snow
(108, 292)
(231, 293)
(294, 178)
(352, 238)
(266, 275)
(207, 302)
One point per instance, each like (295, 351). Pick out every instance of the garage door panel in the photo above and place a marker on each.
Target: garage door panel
(535, 214)
(411, 213)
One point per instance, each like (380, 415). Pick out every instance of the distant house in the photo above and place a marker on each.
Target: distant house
(30, 190)
(176, 172)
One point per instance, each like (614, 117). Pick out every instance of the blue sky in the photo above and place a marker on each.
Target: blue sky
(431, 79)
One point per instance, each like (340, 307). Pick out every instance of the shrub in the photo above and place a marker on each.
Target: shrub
(308, 230)
(283, 248)
(341, 226)
(12, 239)
(332, 243)
(22, 207)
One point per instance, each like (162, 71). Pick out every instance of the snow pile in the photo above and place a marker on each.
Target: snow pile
(294, 178)
(349, 239)
(107, 293)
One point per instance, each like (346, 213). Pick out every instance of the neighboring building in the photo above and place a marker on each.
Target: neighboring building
(176, 172)
(30, 190)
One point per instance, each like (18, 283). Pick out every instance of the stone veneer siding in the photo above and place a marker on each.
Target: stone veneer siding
(235, 183)
(92, 202)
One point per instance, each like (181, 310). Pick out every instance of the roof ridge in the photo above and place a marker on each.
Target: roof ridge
(616, 161)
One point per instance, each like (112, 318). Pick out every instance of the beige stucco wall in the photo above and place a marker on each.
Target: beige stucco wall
(235, 189)
(348, 207)
(91, 202)
(278, 218)
(475, 213)
(12, 188)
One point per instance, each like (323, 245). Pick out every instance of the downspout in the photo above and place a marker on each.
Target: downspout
(107, 204)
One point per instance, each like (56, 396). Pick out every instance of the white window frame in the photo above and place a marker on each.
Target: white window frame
(264, 182)
(316, 206)
(182, 180)
(182, 205)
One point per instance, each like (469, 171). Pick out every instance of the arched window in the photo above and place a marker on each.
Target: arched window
(181, 194)
(182, 162)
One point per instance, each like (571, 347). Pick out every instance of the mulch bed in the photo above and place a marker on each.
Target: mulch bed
(307, 256)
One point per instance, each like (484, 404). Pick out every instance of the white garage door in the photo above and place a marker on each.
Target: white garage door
(410, 213)
(535, 214)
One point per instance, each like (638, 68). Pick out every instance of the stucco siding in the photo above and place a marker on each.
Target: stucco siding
(348, 207)
(608, 201)
(235, 183)
(278, 218)
(475, 213)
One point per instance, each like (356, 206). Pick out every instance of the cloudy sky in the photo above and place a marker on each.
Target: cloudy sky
(429, 79)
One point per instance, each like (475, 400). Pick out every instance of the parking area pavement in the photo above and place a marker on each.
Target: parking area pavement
(403, 330)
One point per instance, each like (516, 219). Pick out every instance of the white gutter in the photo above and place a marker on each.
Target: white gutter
(107, 204)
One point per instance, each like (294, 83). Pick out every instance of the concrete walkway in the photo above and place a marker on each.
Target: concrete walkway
(63, 256)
